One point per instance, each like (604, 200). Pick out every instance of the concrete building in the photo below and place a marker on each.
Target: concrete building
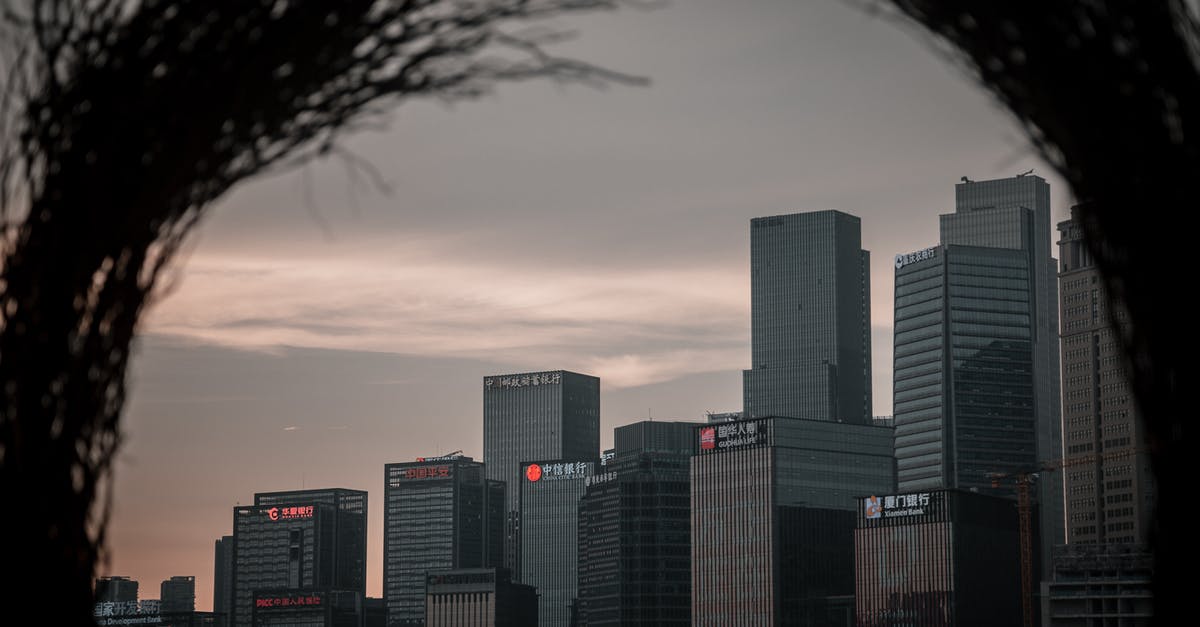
(531, 416)
(478, 597)
(1109, 482)
(1099, 585)
(810, 327)
(439, 513)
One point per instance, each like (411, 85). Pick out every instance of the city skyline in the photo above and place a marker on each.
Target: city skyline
(269, 381)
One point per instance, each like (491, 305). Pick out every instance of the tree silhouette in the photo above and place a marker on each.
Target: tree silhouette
(1109, 94)
(120, 123)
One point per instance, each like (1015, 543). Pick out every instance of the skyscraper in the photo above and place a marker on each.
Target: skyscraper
(810, 317)
(532, 416)
(1110, 498)
(550, 492)
(439, 513)
(635, 537)
(976, 360)
(298, 540)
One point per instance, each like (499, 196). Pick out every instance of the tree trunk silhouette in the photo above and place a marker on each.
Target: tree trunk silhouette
(1109, 93)
(120, 123)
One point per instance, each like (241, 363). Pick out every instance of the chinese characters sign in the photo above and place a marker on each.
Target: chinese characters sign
(290, 513)
(427, 472)
(523, 380)
(304, 600)
(920, 255)
(551, 472)
(733, 435)
(896, 506)
(601, 478)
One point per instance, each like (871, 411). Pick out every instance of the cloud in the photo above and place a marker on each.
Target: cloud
(630, 327)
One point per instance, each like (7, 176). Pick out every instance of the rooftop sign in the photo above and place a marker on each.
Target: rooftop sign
(913, 257)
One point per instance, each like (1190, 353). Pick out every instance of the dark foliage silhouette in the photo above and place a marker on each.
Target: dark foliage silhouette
(1109, 93)
(120, 123)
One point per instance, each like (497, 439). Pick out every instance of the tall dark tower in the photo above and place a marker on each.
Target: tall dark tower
(439, 513)
(810, 319)
(535, 416)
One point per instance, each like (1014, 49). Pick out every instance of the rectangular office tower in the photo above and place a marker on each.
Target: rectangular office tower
(531, 416)
(937, 558)
(810, 319)
(976, 388)
(550, 491)
(439, 513)
(635, 530)
(302, 539)
(772, 520)
(1109, 482)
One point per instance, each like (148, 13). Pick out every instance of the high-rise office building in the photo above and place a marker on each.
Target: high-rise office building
(550, 491)
(298, 540)
(964, 390)
(439, 513)
(1109, 482)
(772, 506)
(976, 387)
(178, 595)
(635, 530)
(810, 319)
(531, 416)
(223, 576)
(348, 549)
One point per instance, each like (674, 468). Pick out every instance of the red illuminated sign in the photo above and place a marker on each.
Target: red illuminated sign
(533, 472)
(708, 438)
(296, 601)
(427, 472)
(290, 513)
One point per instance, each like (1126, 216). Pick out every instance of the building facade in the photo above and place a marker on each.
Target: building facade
(964, 392)
(530, 416)
(346, 551)
(635, 535)
(478, 597)
(1109, 482)
(439, 513)
(976, 376)
(305, 539)
(178, 595)
(1014, 213)
(937, 558)
(1097, 585)
(748, 480)
(116, 589)
(223, 576)
(810, 319)
(550, 493)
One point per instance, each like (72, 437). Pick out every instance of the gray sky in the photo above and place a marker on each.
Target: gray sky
(320, 329)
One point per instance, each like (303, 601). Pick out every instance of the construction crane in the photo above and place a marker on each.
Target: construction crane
(1024, 479)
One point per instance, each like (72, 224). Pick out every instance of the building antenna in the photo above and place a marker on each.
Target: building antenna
(649, 415)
